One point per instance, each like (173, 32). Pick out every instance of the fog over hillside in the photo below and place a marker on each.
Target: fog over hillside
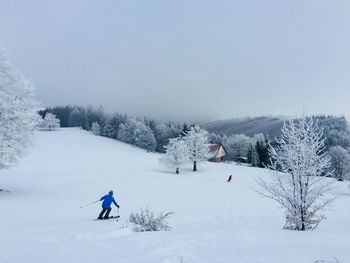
(249, 126)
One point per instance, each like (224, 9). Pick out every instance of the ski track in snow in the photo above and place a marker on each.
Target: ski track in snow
(214, 221)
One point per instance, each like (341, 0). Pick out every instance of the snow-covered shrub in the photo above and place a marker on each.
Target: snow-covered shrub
(18, 112)
(96, 128)
(300, 164)
(147, 221)
(49, 122)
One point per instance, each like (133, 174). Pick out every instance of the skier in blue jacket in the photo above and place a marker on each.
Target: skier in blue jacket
(106, 205)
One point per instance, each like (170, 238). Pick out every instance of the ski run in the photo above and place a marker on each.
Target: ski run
(213, 221)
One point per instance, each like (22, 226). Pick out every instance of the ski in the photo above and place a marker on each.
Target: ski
(111, 217)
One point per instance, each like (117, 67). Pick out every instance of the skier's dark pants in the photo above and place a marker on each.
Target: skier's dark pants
(103, 211)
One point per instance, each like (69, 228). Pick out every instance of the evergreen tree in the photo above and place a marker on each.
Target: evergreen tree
(262, 150)
(185, 129)
(253, 157)
(77, 117)
(162, 135)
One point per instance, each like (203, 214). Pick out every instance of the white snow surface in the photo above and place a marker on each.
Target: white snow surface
(214, 221)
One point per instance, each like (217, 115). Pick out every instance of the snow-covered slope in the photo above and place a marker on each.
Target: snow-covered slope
(214, 221)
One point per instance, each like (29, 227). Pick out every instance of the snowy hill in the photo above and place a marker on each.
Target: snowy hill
(214, 221)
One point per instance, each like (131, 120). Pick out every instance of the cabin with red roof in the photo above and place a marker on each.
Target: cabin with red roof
(217, 153)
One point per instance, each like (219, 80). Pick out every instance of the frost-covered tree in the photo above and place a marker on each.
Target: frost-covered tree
(49, 122)
(112, 124)
(237, 147)
(126, 131)
(144, 137)
(137, 133)
(215, 138)
(18, 112)
(108, 129)
(340, 162)
(176, 155)
(300, 165)
(197, 143)
(96, 128)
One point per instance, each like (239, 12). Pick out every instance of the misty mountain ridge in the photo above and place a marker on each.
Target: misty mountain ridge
(268, 125)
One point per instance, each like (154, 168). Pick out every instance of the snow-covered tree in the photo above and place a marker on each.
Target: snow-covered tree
(137, 133)
(176, 154)
(126, 131)
(215, 138)
(144, 137)
(95, 128)
(300, 165)
(197, 143)
(18, 112)
(111, 126)
(49, 122)
(237, 147)
(340, 162)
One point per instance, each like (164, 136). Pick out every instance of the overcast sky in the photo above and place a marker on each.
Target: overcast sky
(184, 59)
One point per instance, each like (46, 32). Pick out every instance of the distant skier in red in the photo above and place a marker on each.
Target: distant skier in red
(229, 178)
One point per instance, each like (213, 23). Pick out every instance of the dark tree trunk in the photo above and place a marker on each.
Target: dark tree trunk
(195, 166)
(177, 170)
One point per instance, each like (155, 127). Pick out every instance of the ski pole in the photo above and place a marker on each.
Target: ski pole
(90, 203)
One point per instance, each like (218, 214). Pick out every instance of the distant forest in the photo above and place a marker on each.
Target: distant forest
(245, 140)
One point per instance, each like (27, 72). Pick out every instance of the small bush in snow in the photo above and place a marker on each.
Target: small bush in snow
(147, 221)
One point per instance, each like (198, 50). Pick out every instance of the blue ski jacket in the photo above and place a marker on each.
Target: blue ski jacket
(108, 200)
